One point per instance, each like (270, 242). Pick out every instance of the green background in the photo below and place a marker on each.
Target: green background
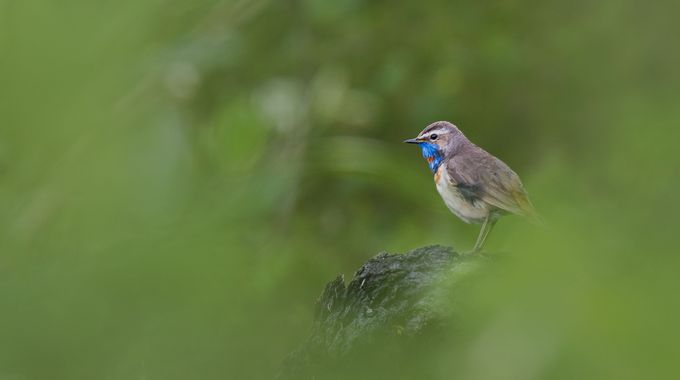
(178, 180)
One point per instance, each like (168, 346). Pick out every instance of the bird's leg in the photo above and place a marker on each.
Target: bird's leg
(487, 226)
(478, 244)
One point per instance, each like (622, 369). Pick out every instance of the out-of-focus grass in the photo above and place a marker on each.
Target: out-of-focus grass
(178, 181)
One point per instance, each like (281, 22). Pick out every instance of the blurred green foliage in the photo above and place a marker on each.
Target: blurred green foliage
(179, 179)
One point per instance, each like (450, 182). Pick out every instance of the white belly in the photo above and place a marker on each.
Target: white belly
(469, 212)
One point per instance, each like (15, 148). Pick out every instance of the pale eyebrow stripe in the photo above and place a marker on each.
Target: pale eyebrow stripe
(437, 131)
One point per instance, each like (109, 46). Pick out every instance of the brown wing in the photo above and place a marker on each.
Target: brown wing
(481, 175)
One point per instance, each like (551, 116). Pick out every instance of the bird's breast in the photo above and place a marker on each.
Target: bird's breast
(438, 174)
(468, 211)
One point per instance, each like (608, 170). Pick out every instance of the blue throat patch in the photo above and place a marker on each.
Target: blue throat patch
(432, 154)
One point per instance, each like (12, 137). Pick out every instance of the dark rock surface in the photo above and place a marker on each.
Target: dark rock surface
(392, 304)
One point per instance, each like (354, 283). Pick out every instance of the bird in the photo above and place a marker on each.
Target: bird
(476, 186)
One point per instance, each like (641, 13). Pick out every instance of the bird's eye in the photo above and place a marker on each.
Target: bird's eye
(433, 136)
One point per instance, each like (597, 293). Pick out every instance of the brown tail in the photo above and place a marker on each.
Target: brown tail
(528, 209)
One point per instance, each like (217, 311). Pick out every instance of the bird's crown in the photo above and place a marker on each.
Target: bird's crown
(438, 141)
(437, 129)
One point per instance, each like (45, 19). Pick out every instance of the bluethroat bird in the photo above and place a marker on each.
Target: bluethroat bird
(476, 186)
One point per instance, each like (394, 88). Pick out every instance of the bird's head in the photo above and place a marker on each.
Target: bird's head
(437, 141)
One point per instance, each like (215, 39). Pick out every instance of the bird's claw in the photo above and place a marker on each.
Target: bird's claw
(477, 253)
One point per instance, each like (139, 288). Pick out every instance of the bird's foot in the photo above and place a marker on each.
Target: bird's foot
(477, 253)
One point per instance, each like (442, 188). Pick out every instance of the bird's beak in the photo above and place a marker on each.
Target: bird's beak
(412, 141)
